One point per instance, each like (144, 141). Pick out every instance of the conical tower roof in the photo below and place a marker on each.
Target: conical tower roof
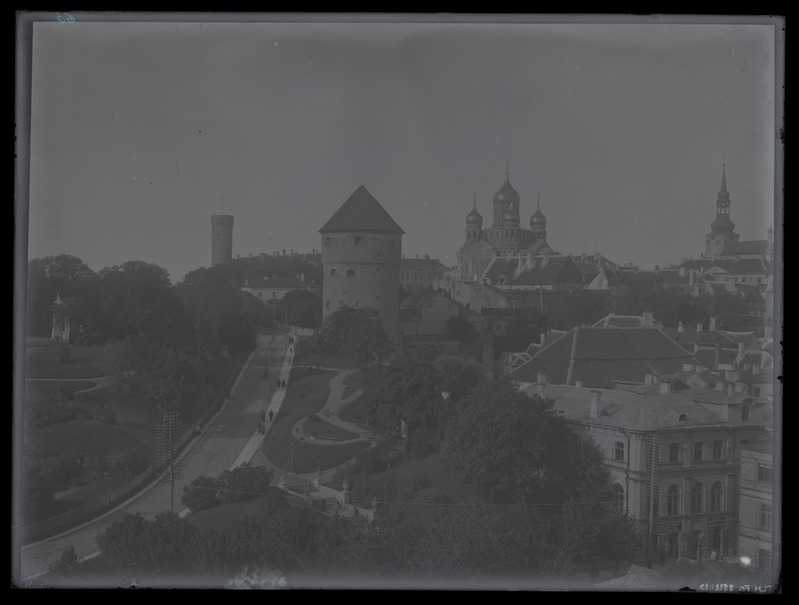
(361, 212)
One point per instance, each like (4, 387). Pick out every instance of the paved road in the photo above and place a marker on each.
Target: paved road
(230, 438)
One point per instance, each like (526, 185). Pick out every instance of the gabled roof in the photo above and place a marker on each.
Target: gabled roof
(422, 264)
(688, 338)
(759, 246)
(532, 271)
(361, 212)
(600, 357)
(624, 321)
(642, 412)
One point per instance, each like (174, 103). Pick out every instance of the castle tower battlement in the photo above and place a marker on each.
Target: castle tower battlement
(221, 239)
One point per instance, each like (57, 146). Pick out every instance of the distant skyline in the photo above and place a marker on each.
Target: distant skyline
(140, 130)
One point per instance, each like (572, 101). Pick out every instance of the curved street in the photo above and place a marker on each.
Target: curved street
(230, 438)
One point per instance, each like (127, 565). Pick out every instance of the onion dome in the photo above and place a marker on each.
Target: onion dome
(474, 218)
(723, 222)
(538, 218)
(506, 197)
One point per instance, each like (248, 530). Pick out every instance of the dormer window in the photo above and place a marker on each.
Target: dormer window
(683, 417)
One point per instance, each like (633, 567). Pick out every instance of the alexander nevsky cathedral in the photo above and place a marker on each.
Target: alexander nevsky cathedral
(505, 237)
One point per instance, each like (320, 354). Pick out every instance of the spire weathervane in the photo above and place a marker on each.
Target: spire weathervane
(474, 200)
(539, 201)
(507, 176)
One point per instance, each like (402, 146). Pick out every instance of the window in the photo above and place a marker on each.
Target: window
(327, 305)
(274, 294)
(717, 449)
(698, 450)
(327, 241)
(683, 417)
(745, 412)
(575, 444)
(350, 273)
(696, 498)
(674, 452)
(332, 273)
(765, 516)
(618, 502)
(357, 240)
(618, 451)
(260, 294)
(756, 391)
(763, 473)
(673, 501)
(715, 497)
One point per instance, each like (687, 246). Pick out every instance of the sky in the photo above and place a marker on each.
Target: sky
(140, 131)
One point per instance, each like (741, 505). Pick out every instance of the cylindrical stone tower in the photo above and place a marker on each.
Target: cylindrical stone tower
(361, 251)
(221, 239)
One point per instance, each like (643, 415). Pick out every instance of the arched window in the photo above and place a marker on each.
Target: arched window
(696, 498)
(683, 417)
(350, 273)
(715, 497)
(745, 412)
(618, 498)
(655, 501)
(673, 501)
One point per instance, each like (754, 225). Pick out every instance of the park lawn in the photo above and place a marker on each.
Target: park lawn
(67, 387)
(306, 395)
(42, 361)
(316, 427)
(93, 438)
(353, 412)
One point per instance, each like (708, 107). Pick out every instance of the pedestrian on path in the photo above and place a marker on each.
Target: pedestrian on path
(270, 415)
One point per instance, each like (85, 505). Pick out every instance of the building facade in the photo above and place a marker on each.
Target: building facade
(361, 252)
(221, 239)
(673, 459)
(756, 529)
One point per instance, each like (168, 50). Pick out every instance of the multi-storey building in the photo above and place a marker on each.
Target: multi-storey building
(672, 456)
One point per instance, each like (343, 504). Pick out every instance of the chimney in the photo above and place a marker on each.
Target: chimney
(687, 367)
(730, 389)
(657, 268)
(578, 384)
(542, 378)
(682, 271)
(647, 319)
(594, 412)
(250, 254)
(417, 256)
(541, 389)
(690, 277)
(755, 369)
(679, 327)
(284, 252)
(665, 387)
(717, 355)
(648, 380)
(302, 276)
(713, 323)
(740, 349)
(698, 327)
(543, 337)
(720, 385)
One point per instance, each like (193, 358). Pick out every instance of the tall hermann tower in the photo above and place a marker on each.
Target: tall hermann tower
(361, 251)
(221, 239)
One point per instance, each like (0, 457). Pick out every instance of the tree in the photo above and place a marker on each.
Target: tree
(303, 308)
(165, 547)
(244, 482)
(354, 331)
(48, 277)
(460, 328)
(511, 447)
(201, 493)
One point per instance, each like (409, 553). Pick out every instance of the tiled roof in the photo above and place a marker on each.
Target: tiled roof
(361, 212)
(689, 337)
(622, 321)
(601, 357)
(422, 264)
(707, 356)
(623, 409)
(746, 247)
(532, 270)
